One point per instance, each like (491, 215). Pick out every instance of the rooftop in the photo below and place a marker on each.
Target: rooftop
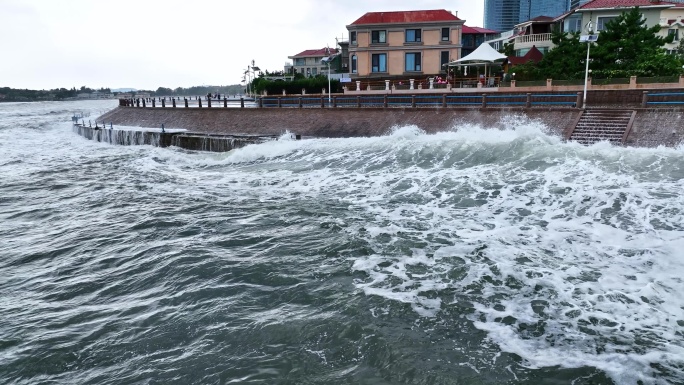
(316, 52)
(625, 4)
(424, 16)
(467, 29)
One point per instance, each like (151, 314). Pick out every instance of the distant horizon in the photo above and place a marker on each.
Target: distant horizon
(119, 89)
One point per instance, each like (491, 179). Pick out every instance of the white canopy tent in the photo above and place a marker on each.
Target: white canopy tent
(484, 55)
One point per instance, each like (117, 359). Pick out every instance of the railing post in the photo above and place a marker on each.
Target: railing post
(300, 102)
(261, 102)
(384, 100)
(322, 101)
(358, 102)
(164, 103)
(513, 83)
(280, 102)
(644, 99)
(242, 102)
(199, 100)
(208, 102)
(358, 85)
(484, 100)
(387, 82)
(145, 105)
(334, 100)
(411, 82)
(549, 84)
(444, 100)
(528, 100)
(173, 102)
(225, 102)
(186, 102)
(413, 101)
(632, 82)
(579, 100)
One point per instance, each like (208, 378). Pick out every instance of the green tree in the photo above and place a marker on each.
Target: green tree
(508, 49)
(566, 59)
(163, 91)
(627, 47)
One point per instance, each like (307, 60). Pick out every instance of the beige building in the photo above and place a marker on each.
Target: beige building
(407, 44)
(308, 63)
(672, 23)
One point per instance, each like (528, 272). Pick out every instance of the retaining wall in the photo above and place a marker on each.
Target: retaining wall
(652, 127)
(318, 122)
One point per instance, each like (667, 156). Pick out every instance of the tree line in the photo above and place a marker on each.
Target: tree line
(8, 94)
(234, 89)
(626, 47)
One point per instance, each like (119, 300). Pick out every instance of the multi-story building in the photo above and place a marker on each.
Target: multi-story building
(387, 45)
(309, 62)
(672, 23)
(503, 15)
(472, 37)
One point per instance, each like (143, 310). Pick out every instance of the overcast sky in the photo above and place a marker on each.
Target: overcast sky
(147, 44)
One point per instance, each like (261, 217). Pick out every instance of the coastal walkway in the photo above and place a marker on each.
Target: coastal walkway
(630, 117)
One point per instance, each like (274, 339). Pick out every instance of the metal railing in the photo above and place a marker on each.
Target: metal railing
(662, 98)
(422, 100)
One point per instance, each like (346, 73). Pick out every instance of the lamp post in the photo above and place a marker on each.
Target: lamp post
(328, 63)
(589, 38)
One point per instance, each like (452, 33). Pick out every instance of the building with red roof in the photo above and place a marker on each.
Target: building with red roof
(472, 37)
(308, 62)
(667, 14)
(403, 44)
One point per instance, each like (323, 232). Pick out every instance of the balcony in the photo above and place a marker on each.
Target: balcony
(535, 38)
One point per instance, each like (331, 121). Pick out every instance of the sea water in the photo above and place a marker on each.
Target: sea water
(472, 256)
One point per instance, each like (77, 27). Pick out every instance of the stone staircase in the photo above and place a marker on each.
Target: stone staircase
(595, 125)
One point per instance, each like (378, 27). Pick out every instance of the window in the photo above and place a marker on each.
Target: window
(443, 59)
(602, 21)
(378, 37)
(379, 62)
(445, 34)
(314, 71)
(413, 36)
(299, 62)
(573, 24)
(413, 62)
(352, 37)
(353, 64)
(673, 32)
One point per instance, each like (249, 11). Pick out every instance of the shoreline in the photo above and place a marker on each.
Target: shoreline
(651, 127)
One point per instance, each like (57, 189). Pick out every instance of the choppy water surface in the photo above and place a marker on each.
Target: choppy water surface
(469, 257)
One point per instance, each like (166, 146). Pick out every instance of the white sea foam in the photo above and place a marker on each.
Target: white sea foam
(569, 255)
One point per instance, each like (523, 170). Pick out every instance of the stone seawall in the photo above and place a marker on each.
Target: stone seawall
(343, 122)
(652, 127)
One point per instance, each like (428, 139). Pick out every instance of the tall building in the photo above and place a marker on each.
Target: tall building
(405, 44)
(502, 15)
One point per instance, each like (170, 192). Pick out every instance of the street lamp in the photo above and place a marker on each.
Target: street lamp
(327, 61)
(589, 38)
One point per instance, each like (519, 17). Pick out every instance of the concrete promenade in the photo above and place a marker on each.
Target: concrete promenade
(652, 126)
